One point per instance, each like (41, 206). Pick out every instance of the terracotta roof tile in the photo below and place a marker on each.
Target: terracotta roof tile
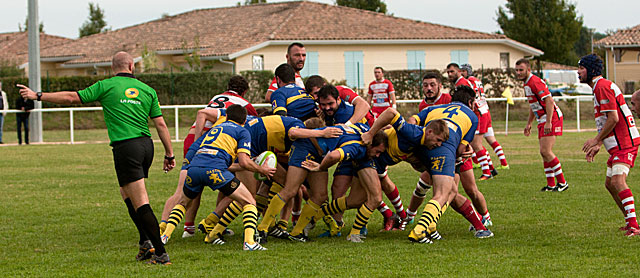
(14, 46)
(223, 31)
(629, 36)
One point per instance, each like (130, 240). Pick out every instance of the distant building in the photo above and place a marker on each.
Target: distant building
(342, 43)
(623, 57)
(14, 46)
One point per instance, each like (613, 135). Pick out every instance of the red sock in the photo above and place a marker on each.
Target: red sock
(471, 215)
(384, 209)
(498, 150)
(626, 198)
(556, 168)
(551, 182)
(474, 157)
(395, 199)
(188, 226)
(295, 215)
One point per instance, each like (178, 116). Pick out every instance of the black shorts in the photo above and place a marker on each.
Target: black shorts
(132, 159)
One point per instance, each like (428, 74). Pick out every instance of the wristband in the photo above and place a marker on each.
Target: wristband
(394, 106)
(348, 123)
(169, 157)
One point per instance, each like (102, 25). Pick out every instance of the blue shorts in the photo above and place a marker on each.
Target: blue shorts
(199, 177)
(439, 161)
(351, 168)
(303, 150)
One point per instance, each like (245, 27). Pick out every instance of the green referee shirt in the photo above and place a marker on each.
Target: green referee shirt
(127, 104)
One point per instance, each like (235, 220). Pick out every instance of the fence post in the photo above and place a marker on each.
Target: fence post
(71, 126)
(578, 111)
(506, 124)
(176, 123)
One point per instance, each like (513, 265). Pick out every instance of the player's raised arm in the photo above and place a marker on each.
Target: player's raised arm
(202, 117)
(64, 97)
(384, 119)
(360, 110)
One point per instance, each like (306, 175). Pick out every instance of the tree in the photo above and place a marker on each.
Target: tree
(25, 27)
(377, 6)
(9, 68)
(550, 25)
(95, 24)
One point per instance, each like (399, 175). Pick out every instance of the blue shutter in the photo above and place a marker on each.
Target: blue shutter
(415, 59)
(310, 64)
(354, 68)
(464, 57)
(460, 57)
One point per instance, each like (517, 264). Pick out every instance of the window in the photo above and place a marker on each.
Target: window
(257, 62)
(504, 60)
(415, 60)
(354, 68)
(310, 64)
(460, 57)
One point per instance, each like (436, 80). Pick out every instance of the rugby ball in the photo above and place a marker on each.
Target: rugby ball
(268, 158)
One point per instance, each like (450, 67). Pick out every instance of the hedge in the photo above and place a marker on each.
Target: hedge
(172, 88)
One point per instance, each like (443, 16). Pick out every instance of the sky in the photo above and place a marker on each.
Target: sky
(64, 17)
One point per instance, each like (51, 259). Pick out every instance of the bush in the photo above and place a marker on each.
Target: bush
(172, 88)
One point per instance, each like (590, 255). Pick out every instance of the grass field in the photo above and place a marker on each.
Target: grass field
(62, 216)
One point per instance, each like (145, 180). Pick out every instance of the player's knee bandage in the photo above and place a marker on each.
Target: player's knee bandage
(617, 169)
(421, 189)
(489, 132)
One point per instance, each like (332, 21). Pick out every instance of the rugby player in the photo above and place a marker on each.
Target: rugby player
(381, 93)
(237, 87)
(549, 118)
(484, 117)
(271, 133)
(351, 149)
(289, 99)
(456, 78)
(209, 166)
(296, 56)
(462, 123)
(617, 131)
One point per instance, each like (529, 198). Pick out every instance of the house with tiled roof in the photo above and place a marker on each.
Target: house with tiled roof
(623, 57)
(14, 46)
(342, 43)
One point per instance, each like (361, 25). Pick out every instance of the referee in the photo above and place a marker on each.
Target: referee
(127, 104)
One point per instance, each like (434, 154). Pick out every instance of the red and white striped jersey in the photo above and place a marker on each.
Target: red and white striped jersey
(536, 91)
(274, 84)
(463, 82)
(609, 98)
(481, 102)
(225, 100)
(380, 92)
(442, 99)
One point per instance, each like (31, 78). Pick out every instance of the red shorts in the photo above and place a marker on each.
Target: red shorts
(466, 166)
(484, 123)
(187, 143)
(378, 110)
(626, 156)
(556, 129)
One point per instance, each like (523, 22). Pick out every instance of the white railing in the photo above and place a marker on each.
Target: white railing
(177, 108)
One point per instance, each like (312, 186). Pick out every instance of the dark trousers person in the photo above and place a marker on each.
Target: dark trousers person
(23, 119)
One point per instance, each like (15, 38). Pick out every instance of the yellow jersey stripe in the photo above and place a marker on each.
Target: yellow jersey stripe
(350, 142)
(341, 154)
(294, 98)
(280, 109)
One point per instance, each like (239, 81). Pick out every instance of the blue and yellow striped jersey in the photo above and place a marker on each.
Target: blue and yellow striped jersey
(221, 144)
(398, 150)
(293, 100)
(271, 133)
(342, 114)
(463, 121)
(349, 144)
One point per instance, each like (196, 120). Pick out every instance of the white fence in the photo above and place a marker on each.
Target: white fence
(176, 109)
